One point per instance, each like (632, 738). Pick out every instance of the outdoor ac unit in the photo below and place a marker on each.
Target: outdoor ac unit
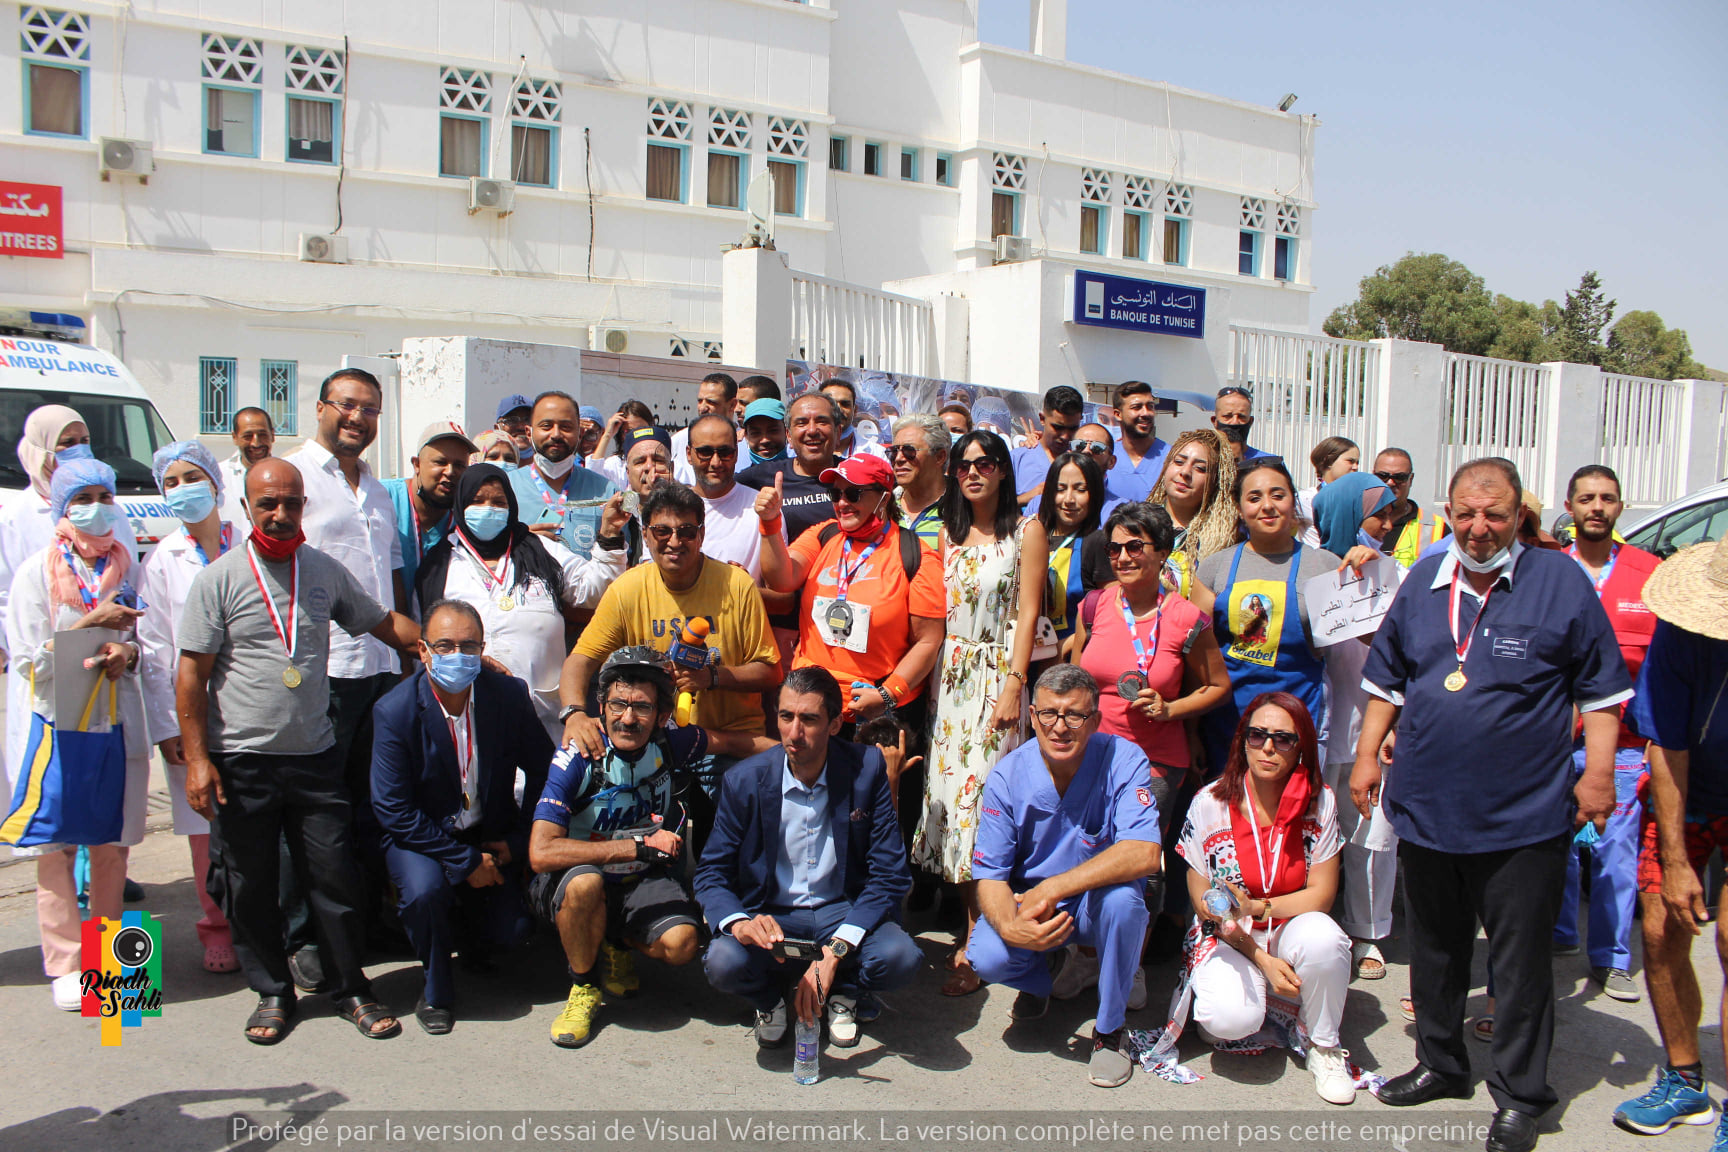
(491, 196)
(1012, 249)
(317, 248)
(615, 340)
(126, 158)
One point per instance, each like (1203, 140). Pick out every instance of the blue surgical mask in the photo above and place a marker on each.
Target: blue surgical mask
(1366, 540)
(755, 459)
(75, 452)
(454, 672)
(91, 519)
(486, 520)
(192, 502)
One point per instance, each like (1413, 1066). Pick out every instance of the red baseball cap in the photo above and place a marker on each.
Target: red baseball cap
(862, 469)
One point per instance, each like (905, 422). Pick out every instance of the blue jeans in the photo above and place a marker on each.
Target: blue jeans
(1613, 872)
(886, 959)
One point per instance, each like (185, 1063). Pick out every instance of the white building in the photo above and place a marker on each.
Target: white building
(277, 135)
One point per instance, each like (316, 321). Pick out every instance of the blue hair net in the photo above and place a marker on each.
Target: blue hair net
(69, 478)
(190, 450)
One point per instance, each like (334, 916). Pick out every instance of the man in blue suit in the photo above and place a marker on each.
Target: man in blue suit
(448, 742)
(806, 846)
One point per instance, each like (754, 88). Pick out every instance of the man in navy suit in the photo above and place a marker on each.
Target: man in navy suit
(448, 742)
(806, 846)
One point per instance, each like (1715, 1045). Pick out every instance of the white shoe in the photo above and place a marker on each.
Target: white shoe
(68, 992)
(1137, 994)
(1332, 1080)
(1078, 973)
(842, 1021)
(771, 1026)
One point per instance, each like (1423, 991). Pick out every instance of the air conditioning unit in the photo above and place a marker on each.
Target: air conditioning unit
(1013, 249)
(126, 158)
(317, 248)
(491, 196)
(604, 339)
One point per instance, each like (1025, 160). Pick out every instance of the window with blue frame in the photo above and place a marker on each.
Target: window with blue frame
(1248, 253)
(788, 146)
(314, 104)
(872, 158)
(1175, 240)
(1092, 228)
(669, 130)
(839, 153)
(280, 380)
(666, 172)
(56, 49)
(535, 109)
(1284, 258)
(945, 169)
(1134, 233)
(233, 71)
(216, 394)
(465, 104)
(788, 187)
(909, 164)
(729, 132)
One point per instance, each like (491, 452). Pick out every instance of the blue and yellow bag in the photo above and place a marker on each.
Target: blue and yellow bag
(73, 784)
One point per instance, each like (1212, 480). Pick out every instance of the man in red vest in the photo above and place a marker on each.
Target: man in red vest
(1619, 571)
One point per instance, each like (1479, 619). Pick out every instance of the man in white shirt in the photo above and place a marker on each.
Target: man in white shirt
(254, 436)
(716, 396)
(733, 531)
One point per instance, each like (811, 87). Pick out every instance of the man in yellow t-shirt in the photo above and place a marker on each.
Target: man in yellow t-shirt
(651, 604)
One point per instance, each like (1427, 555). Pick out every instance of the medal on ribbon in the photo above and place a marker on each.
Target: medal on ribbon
(291, 676)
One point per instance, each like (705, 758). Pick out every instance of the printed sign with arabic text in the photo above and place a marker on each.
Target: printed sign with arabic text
(30, 220)
(1139, 305)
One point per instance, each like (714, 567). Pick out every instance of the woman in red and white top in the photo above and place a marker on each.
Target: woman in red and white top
(1266, 832)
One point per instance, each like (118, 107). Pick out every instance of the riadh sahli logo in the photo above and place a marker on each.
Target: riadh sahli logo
(122, 963)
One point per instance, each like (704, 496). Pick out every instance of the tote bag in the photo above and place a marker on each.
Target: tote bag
(73, 784)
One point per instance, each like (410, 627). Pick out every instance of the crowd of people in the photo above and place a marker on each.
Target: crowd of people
(672, 702)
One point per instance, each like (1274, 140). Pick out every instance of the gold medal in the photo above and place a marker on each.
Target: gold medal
(291, 676)
(1455, 681)
(466, 803)
(506, 603)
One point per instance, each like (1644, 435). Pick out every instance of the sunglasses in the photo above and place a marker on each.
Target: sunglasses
(907, 452)
(1233, 390)
(984, 467)
(709, 451)
(663, 532)
(1282, 741)
(851, 493)
(1394, 477)
(1091, 446)
(1134, 548)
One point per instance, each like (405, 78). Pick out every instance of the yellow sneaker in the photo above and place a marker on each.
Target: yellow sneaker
(575, 1022)
(619, 976)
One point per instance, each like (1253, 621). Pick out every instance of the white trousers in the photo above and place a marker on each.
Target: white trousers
(1230, 991)
(1367, 880)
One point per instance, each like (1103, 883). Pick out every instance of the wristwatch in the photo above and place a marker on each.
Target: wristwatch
(839, 947)
(570, 710)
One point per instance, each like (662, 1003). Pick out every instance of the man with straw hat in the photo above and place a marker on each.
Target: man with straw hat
(1682, 707)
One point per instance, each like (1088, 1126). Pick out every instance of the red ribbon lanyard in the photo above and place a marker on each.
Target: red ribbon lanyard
(1462, 647)
(489, 581)
(287, 635)
(464, 760)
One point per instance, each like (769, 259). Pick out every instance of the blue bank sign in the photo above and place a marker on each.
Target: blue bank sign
(1139, 305)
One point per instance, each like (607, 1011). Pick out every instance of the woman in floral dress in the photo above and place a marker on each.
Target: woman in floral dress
(994, 566)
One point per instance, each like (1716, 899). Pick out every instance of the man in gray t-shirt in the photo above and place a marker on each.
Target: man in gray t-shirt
(252, 693)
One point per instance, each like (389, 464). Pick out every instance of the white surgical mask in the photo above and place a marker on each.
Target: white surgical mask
(555, 468)
(1481, 567)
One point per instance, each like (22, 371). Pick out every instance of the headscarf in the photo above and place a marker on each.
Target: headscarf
(483, 444)
(191, 451)
(36, 450)
(1342, 505)
(69, 479)
(529, 559)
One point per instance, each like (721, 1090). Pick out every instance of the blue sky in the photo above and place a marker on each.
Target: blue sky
(1530, 140)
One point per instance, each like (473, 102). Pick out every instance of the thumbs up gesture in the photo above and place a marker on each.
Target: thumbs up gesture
(768, 499)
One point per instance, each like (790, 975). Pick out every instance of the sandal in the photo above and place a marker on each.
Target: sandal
(962, 980)
(1407, 1008)
(275, 1013)
(1483, 1029)
(220, 958)
(1370, 964)
(364, 1013)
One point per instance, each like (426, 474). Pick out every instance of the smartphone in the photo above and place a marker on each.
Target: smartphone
(791, 948)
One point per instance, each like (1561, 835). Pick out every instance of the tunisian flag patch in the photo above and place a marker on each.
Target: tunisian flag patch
(1144, 796)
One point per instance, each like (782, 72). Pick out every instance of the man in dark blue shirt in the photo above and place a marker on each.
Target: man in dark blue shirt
(1484, 655)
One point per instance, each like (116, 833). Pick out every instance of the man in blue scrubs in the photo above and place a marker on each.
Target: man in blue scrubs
(1067, 834)
(1063, 409)
(1139, 454)
(557, 498)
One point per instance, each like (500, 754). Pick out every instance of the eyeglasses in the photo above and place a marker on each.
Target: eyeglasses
(984, 467)
(1394, 477)
(1134, 548)
(639, 707)
(451, 647)
(850, 493)
(349, 407)
(907, 452)
(1282, 741)
(663, 532)
(709, 451)
(1073, 721)
(1091, 446)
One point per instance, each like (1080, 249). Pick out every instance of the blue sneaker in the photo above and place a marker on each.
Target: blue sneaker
(1720, 1143)
(1670, 1101)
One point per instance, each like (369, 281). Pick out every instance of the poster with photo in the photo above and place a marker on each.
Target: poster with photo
(883, 397)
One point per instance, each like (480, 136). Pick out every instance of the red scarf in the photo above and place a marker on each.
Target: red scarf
(273, 549)
(1290, 869)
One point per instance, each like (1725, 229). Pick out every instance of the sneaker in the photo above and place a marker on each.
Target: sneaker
(1109, 1066)
(575, 1023)
(1566, 949)
(1719, 1143)
(1029, 1007)
(619, 975)
(1617, 984)
(1077, 973)
(1670, 1101)
(1137, 992)
(1332, 1080)
(842, 1021)
(68, 991)
(771, 1026)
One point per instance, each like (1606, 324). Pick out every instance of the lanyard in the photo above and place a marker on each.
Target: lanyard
(842, 574)
(464, 749)
(1462, 646)
(224, 541)
(419, 532)
(1266, 877)
(1607, 569)
(78, 568)
(490, 582)
(1142, 658)
(555, 499)
(289, 635)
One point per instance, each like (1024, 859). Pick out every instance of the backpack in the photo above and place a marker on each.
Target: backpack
(910, 548)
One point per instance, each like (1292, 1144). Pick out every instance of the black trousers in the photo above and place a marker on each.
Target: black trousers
(1516, 896)
(301, 801)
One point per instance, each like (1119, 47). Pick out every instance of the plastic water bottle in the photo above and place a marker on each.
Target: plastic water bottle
(1220, 901)
(806, 1045)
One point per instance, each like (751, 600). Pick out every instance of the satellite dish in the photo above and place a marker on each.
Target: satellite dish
(759, 206)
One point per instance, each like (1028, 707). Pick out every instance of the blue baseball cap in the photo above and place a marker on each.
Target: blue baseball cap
(767, 406)
(589, 412)
(510, 403)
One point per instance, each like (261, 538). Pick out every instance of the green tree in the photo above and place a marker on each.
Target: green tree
(1424, 296)
(1641, 345)
(1526, 330)
(1583, 318)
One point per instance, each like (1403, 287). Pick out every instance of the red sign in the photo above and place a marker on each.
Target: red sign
(30, 220)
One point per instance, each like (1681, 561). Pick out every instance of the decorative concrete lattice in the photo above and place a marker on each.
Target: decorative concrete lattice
(1253, 212)
(1140, 191)
(541, 100)
(1179, 200)
(787, 137)
(1289, 220)
(233, 59)
(1095, 185)
(669, 119)
(314, 70)
(50, 32)
(728, 129)
(464, 90)
(1008, 172)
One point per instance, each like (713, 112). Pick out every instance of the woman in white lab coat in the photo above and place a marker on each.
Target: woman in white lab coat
(77, 581)
(192, 483)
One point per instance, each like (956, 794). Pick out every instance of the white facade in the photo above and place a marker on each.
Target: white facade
(204, 259)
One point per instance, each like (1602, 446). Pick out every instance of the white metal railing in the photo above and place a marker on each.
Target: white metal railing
(1305, 389)
(1495, 408)
(838, 323)
(1642, 425)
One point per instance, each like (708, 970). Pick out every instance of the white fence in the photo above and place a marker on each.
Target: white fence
(838, 323)
(1495, 408)
(1643, 424)
(1305, 389)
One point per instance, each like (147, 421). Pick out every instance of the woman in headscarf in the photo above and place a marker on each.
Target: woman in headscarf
(1352, 512)
(77, 581)
(191, 482)
(1199, 474)
(525, 586)
(495, 446)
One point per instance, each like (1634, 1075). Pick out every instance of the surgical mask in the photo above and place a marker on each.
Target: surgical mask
(454, 672)
(1481, 567)
(91, 519)
(1366, 540)
(555, 468)
(755, 459)
(191, 502)
(486, 520)
(75, 452)
(871, 527)
(1234, 432)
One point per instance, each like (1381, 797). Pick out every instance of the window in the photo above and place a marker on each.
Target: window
(1139, 191)
(1283, 258)
(1004, 214)
(465, 98)
(311, 130)
(1133, 235)
(230, 121)
(55, 99)
(908, 163)
(788, 187)
(788, 137)
(945, 169)
(725, 180)
(1008, 172)
(1091, 229)
(728, 129)
(837, 153)
(56, 87)
(281, 387)
(1175, 240)
(872, 158)
(1095, 185)
(666, 172)
(535, 109)
(215, 394)
(53, 34)
(1248, 254)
